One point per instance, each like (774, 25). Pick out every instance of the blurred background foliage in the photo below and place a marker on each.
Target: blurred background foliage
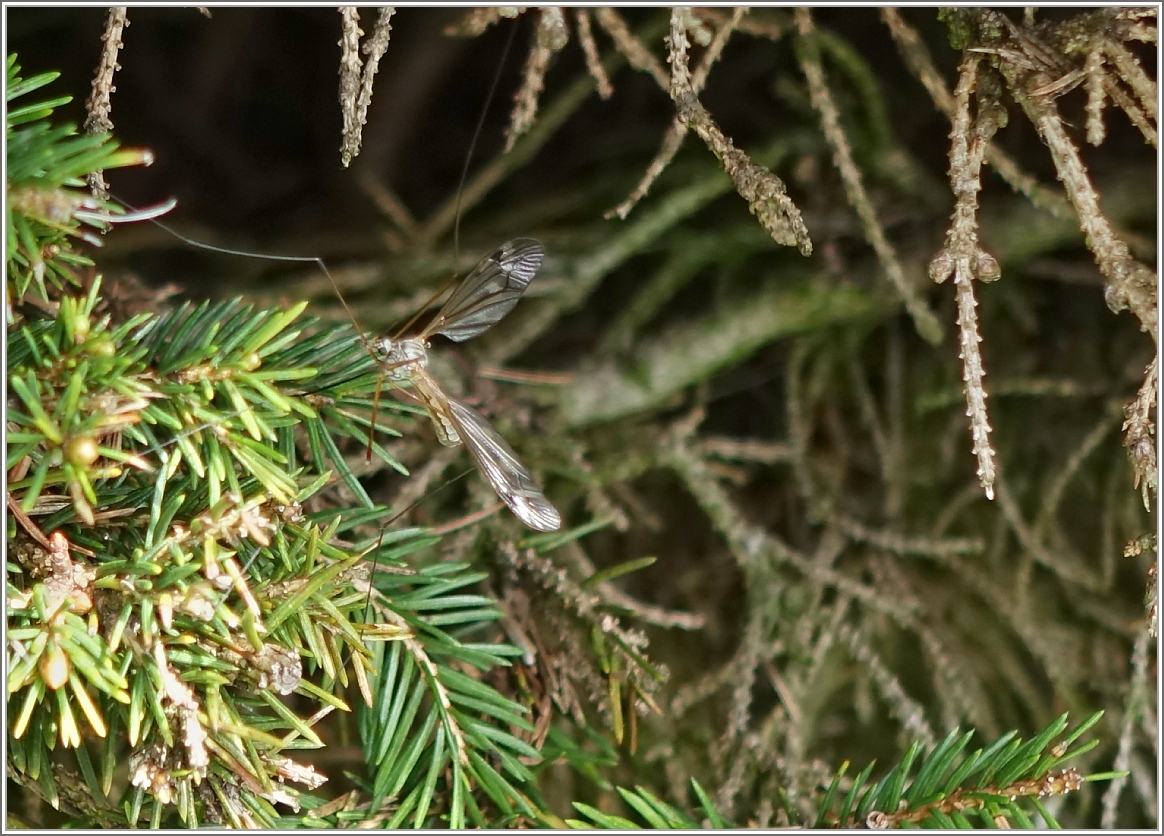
(829, 582)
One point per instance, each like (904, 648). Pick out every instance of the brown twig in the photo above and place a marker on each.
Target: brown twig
(635, 52)
(356, 83)
(590, 51)
(917, 59)
(476, 21)
(100, 103)
(673, 139)
(549, 38)
(1140, 431)
(830, 118)
(765, 192)
(349, 73)
(1028, 62)
(963, 257)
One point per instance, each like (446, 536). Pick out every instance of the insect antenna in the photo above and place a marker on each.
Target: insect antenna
(473, 141)
(290, 259)
(214, 248)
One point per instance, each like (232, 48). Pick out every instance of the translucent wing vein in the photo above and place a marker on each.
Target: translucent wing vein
(490, 291)
(502, 469)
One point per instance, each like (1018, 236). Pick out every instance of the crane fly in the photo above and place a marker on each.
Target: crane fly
(490, 291)
(487, 293)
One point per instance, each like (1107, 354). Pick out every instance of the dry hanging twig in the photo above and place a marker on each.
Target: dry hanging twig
(673, 139)
(590, 51)
(765, 192)
(476, 21)
(1030, 64)
(355, 85)
(963, 257)
(548, 40)
(100, 103)
(630, 47)
(830, 119)
(1140, 433)
(921, 64)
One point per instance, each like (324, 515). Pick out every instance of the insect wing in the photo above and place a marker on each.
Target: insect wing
(490, 291)
(502, 469)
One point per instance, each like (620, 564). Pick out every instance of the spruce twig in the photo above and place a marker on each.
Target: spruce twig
(177, 571)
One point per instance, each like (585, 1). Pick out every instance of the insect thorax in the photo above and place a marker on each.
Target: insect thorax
(405, 357)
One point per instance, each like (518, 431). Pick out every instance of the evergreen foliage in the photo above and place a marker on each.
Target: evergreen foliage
(182, 591)
(188, 581)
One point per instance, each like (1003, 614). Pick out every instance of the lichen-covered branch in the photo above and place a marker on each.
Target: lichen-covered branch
(962, 256)
(822, 102)
(673, 139)
(765, 193)
(549, 38)
(356, 77)
(100, 103)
